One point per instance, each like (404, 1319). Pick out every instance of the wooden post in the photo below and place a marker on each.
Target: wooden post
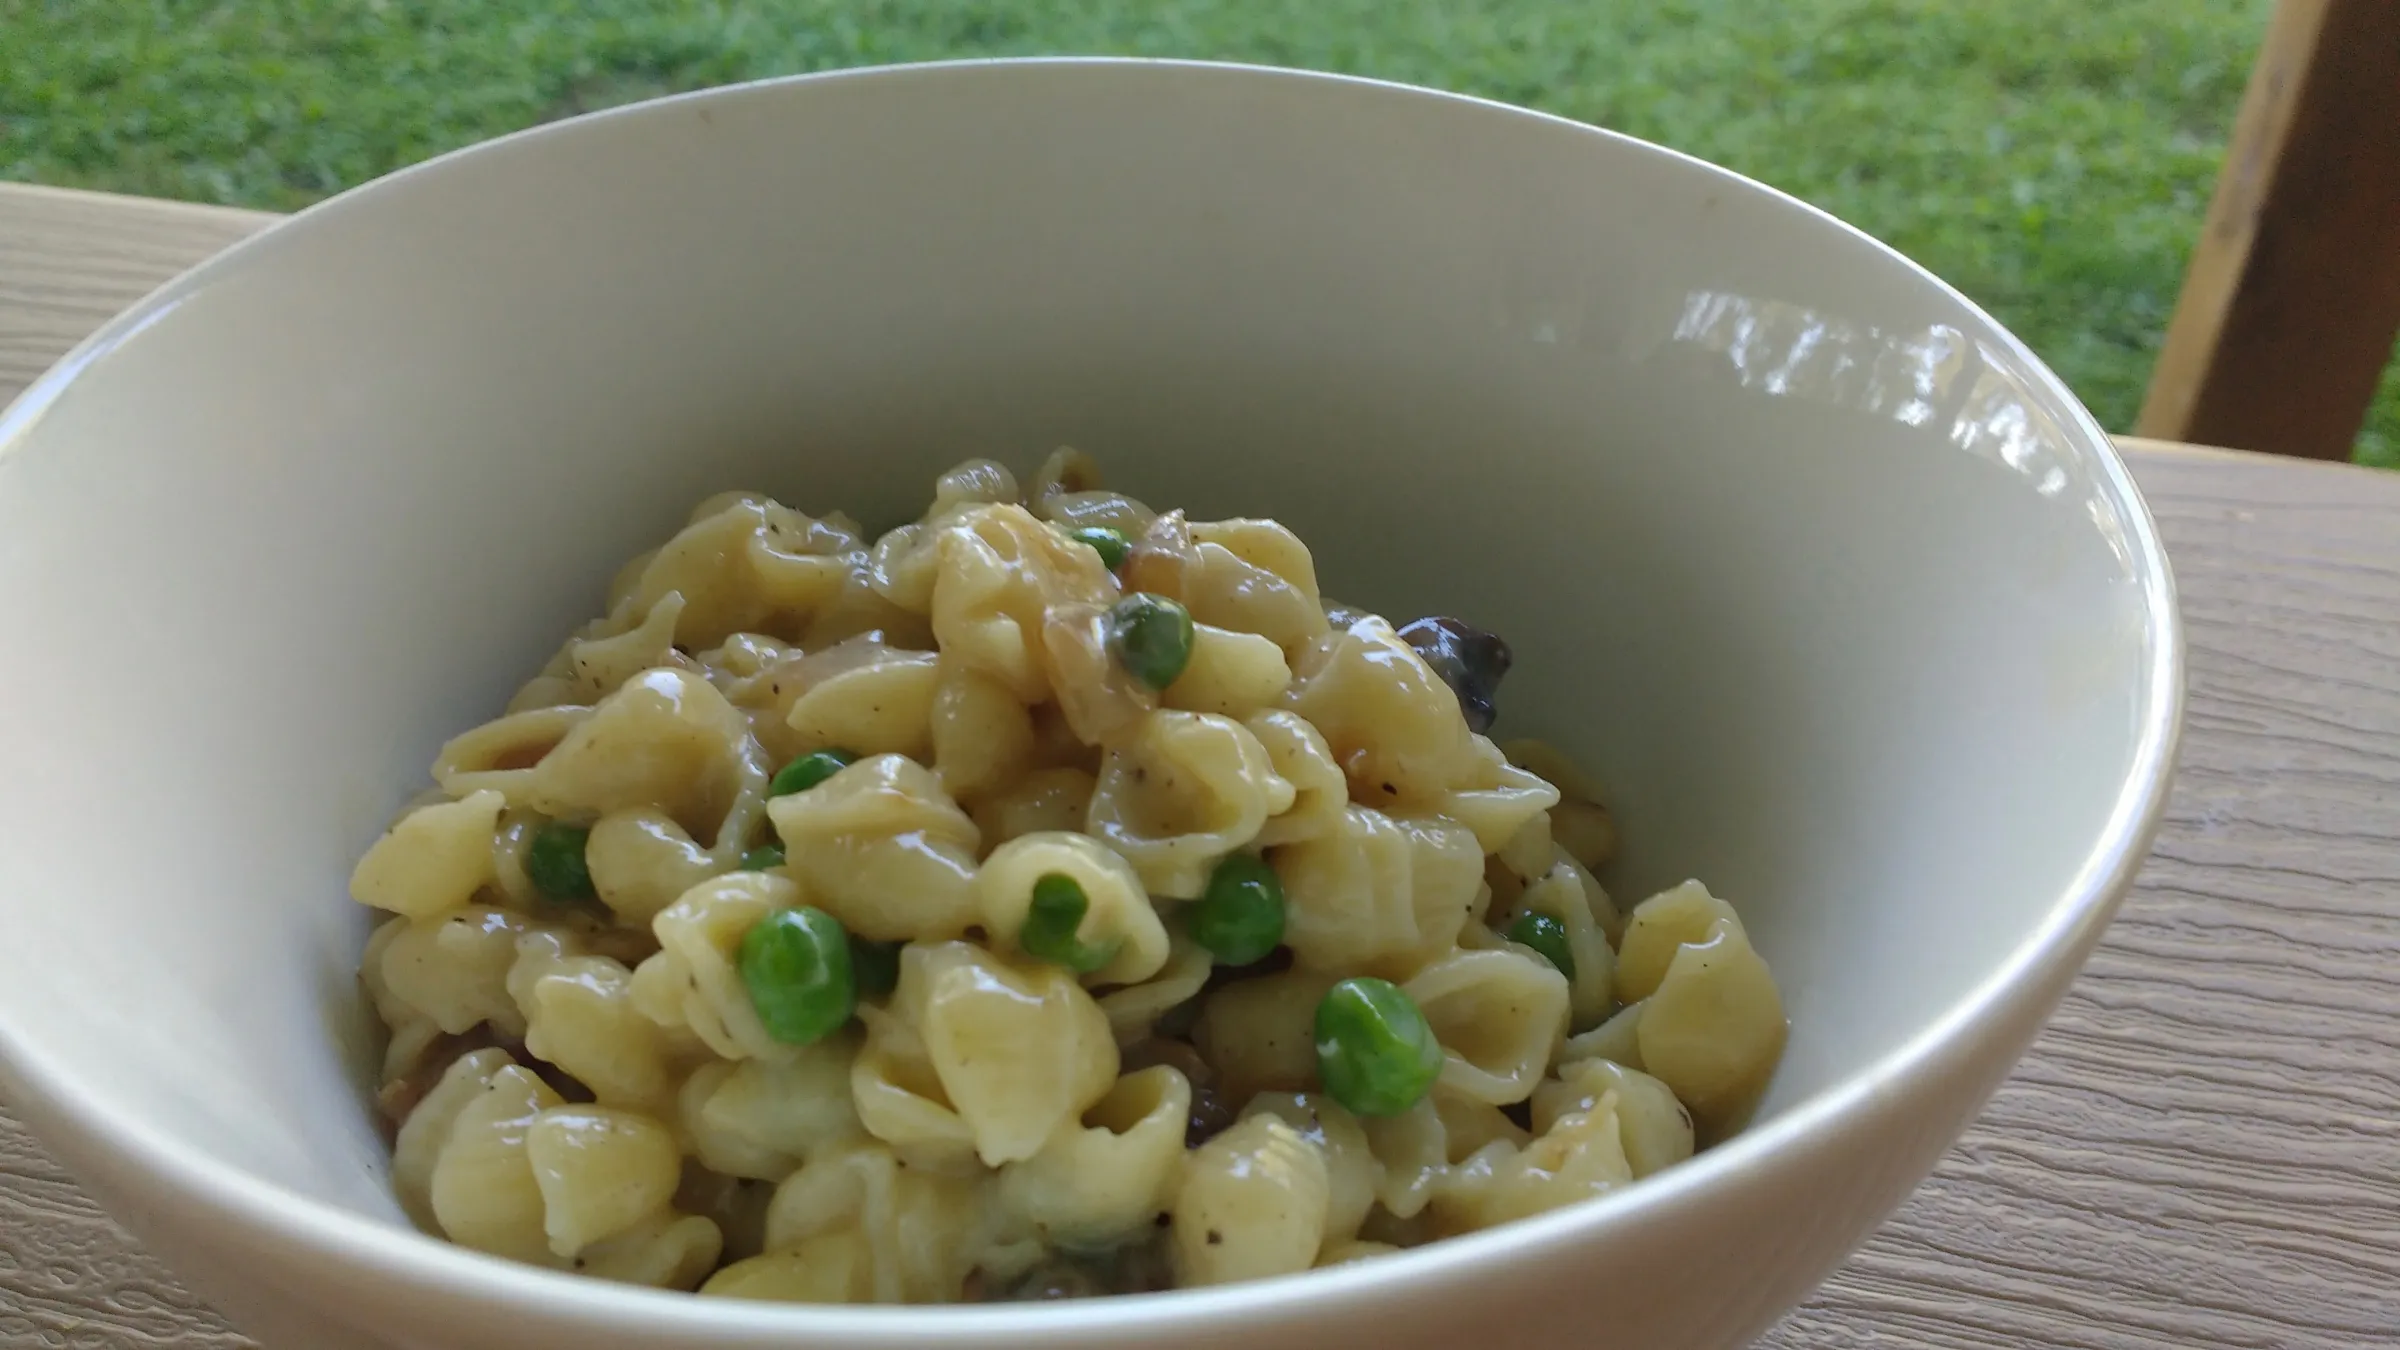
(2292, 299)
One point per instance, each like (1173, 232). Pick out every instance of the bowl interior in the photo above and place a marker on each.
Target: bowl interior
(1815, 569)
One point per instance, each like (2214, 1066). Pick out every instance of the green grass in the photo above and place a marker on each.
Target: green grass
(2050, 157)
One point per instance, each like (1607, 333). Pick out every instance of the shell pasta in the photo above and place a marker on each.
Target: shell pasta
(1051, 896)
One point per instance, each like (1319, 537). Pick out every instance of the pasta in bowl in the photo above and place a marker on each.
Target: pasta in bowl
(1050, 896)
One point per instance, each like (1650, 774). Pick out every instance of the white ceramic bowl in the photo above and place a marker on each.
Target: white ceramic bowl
(1841, 592)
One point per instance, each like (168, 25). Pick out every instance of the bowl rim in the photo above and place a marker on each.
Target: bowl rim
(363, 1255)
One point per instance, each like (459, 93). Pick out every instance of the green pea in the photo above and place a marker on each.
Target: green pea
(796, 963)
(1111, 545)
(554, 862)
(1547, 936)
(1239, 918)
(762, 858)
(875, 966)
(1152, 637)
(1050, 922)
(809, 770)
(1375, 1051)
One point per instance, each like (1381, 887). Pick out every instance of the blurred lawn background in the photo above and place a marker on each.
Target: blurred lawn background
(2052, 158)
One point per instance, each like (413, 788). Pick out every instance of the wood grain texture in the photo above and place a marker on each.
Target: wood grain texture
(2292, 296)
(2202, 1153)
(2204, 1147)
(69, 260)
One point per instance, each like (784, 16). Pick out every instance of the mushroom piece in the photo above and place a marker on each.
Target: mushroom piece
(1469, 659)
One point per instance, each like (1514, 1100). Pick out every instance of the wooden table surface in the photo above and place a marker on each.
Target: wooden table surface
(2204, 1149)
